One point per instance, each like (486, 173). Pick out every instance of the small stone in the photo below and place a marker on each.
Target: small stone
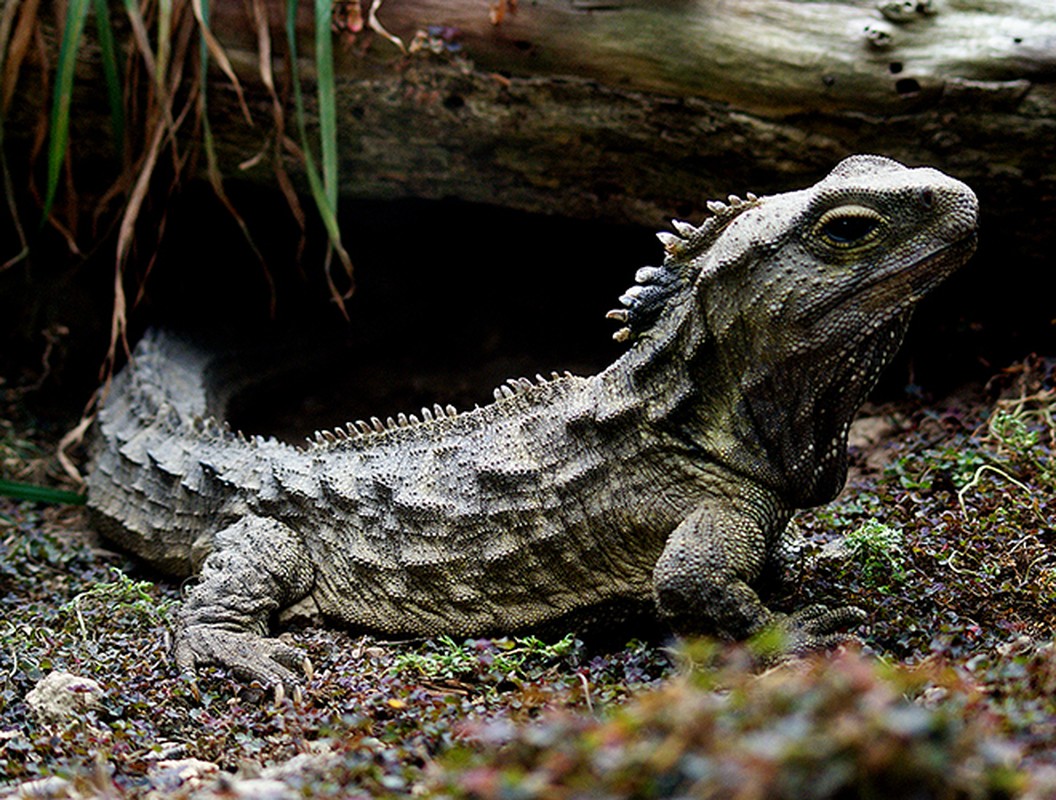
(189, 773)
(898, 10)
(44, 789)
(60, 696)
(263, 789)
(879, 38)
(187, 768)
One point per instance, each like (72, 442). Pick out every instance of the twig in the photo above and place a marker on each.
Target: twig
(975, 479)
(377, 27)
(586, 691)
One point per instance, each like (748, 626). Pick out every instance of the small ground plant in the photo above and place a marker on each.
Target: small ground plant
(122, 595)
(505, 659)
(950, 548)
(877, 551)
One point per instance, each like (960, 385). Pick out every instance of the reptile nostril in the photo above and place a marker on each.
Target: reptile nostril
(927, 198)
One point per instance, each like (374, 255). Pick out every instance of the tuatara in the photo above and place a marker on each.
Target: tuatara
(669, 477)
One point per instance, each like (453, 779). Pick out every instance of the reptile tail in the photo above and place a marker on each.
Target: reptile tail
(148, 487)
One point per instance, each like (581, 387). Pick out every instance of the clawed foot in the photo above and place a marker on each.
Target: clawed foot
(818, 627)
(250, 657)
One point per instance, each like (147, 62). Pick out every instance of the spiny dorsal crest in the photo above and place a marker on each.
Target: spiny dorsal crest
(653, 287)
(212, 429)
(515, 386)
(691, 241)
(363, 429)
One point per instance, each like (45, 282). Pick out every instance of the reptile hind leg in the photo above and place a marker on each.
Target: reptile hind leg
(258, 566)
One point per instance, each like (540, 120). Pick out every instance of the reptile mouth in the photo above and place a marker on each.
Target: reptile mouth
(957, 251)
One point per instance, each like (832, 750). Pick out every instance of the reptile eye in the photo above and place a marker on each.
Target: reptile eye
(849, 229)
(848, 226)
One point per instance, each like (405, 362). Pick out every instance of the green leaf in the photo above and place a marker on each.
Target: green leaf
(39, 494)
(164, 42)
(59, 126)
(323, 194)
(324, 67)
(203, 49)
(111, 74)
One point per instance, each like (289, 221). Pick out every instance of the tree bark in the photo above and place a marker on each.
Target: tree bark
(636, 111)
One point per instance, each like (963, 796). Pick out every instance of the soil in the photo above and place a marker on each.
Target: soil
(944, 534)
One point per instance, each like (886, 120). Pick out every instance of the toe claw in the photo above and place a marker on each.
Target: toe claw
(250, 657)
(818, 627)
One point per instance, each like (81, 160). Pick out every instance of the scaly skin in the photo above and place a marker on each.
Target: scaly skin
(669, 477)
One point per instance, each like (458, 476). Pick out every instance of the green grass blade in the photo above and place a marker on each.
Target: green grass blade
(203, 85)
(59, 124)
(324, 67)
(164, 41)
(203, 58)
(111, 75)
(39, 494)
(327, 208)
(298, 103)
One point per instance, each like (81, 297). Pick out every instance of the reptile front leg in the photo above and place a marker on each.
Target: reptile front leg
(257, 567)
(701, 584)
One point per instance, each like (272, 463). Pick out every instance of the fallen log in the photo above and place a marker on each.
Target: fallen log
(628, 110)
(636, 111)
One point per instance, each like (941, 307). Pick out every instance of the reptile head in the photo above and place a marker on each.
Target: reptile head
(786, 308)
(813, 291)
(862, 246)
(873, 236)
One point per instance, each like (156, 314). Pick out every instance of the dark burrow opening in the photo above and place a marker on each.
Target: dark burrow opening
(453, 298)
